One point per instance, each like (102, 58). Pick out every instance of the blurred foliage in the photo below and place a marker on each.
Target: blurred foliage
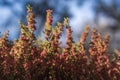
(109, 8)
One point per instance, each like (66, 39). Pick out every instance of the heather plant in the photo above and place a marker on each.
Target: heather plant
(28, 58)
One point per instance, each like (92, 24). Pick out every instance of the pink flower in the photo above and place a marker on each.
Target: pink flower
(43, 53)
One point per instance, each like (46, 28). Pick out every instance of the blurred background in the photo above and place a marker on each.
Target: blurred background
(101, 14)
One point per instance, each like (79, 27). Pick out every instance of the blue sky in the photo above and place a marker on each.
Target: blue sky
(81, 16)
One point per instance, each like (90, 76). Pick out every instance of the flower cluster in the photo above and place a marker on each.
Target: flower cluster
(28, 58)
